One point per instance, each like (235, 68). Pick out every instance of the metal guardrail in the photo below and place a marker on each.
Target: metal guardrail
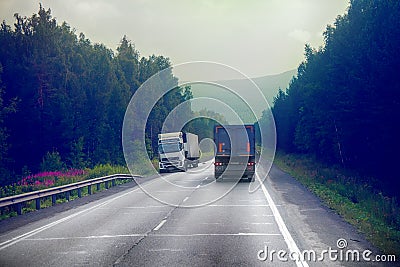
(18, 200)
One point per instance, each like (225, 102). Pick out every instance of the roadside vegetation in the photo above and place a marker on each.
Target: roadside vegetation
(48, 179)
(352, 196)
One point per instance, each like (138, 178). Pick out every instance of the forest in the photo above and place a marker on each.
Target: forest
(343, 106)
(63, 98)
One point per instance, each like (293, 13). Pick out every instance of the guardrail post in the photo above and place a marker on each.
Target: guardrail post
(98, 187)
(19, 208)
(38, 203)
(67, 194)
(106, 184)
(79, 192)
(53, 199)
(89, 189)
(113, 182)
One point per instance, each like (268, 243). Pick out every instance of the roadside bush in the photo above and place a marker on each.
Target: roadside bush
(52, 162)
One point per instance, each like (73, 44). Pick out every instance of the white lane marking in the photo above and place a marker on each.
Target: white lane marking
(251, 200)
(206, 178)
(186, 198)
(198, 186)
(282, 226)
(166, 249)
(142, 207)
(83, 237)
(235, 234)
(159, 225)
(172, 191)
(140, 212)
(19, 238)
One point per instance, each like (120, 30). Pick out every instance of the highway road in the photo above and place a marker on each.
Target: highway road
(170, 221)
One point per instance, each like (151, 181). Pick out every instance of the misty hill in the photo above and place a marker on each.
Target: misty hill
(269, 86)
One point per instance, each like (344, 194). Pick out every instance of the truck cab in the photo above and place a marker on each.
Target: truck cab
(177, 151)
(171, 152)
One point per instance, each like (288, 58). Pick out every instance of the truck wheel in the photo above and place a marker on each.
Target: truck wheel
(185, 167)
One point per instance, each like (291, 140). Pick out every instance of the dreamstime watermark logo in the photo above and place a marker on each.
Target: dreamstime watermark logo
(338, 254)
(238, 103)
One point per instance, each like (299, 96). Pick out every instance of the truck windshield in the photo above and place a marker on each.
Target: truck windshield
(169, 147)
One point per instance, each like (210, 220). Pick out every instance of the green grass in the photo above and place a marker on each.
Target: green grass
(106, 169)
(353, 197)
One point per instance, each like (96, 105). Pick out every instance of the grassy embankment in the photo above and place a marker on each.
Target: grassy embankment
(45, 180)
(351, 196)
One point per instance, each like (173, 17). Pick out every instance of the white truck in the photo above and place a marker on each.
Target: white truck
(178, 151)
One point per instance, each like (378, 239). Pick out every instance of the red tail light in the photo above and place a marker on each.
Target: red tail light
(218, 163)
(250, 163)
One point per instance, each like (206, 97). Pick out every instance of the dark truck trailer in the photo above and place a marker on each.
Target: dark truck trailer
(235, 155)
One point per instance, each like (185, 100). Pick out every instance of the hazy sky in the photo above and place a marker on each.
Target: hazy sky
(258, 37)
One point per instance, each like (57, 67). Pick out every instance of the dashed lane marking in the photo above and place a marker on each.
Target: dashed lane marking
(160, 225)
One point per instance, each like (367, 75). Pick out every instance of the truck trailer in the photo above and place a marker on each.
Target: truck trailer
(235, 155)
(178, 151)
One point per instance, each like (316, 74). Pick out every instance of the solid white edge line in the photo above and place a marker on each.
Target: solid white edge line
(282, 226)
(159, 225)
(19, 238)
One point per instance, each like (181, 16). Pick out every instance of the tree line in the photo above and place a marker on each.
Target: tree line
(344, 104)
(64, 97)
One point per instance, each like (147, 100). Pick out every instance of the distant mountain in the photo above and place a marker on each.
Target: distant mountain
(244, 90)
(270, 84)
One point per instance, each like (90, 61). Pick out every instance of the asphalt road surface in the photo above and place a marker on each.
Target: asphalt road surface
(174, 221)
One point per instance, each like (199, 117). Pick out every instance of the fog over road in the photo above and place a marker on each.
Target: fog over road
(130, 228)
